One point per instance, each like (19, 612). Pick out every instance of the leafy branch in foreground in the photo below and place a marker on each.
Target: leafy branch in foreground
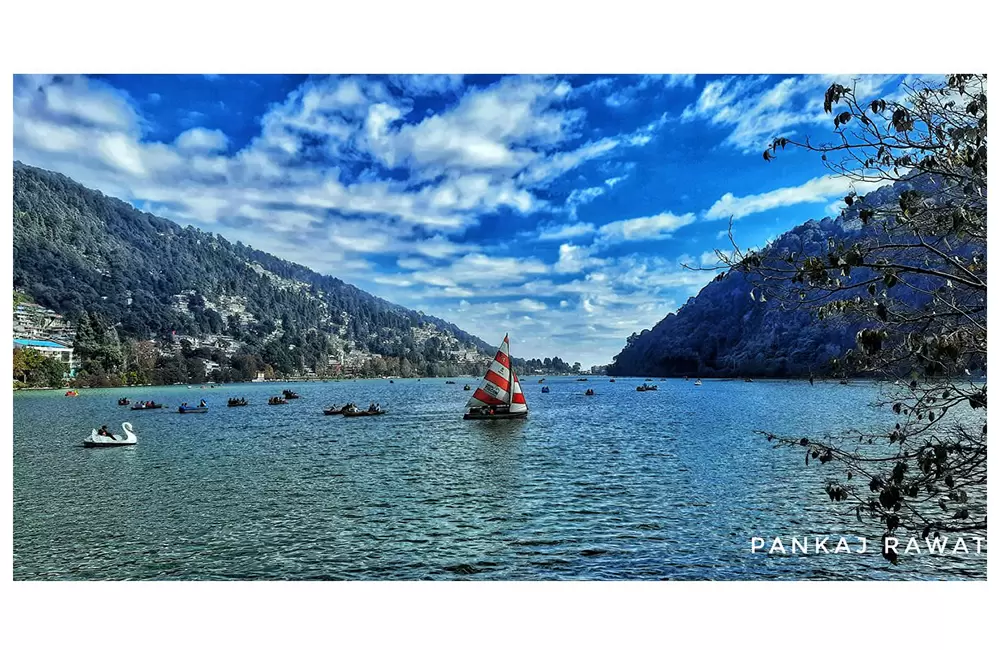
(915, 281)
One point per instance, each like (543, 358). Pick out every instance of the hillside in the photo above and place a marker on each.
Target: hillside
(127, 276)
(724, 332)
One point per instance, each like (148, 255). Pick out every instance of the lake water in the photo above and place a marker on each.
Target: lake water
(621, 486)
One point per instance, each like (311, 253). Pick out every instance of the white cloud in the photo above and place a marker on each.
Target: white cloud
(758, 112)
(816, 190)
(573, 259)
(658, 226)
(554, 232)
(201, 139)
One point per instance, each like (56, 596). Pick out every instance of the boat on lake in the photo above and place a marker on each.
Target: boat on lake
(545, 389)
(611, 381)
(334, 410)
(123, 401)
(646, 387)
(242, 401)
(145, 406)
(201, 408)
(590, 392)
(358, 413)
(289, 394)
(499, 397)
(72, 393)
(123, 439)
(449, 382)
(276, 401)
(467, 387)
(697, 383)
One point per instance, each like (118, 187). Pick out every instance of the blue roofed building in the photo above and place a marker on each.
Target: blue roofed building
(57, 351)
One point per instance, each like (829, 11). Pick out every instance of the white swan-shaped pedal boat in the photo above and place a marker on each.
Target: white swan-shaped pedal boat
(120, 439)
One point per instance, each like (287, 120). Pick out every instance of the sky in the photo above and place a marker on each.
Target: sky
(561, 209)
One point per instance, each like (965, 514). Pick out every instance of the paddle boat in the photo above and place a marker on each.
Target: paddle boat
(145, 406)
(590, 391)
(123, 401)
(645, 387)
(545, 389)
(697, 383)
(123, 439)
(611, 381)
(201, 408)
(241, 401)
(276, 401)
(72, 393)
(449, 382)
(288, 394)
(467, 387)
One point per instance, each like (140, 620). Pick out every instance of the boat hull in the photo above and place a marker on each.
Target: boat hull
(112, 443)
(193, 410)
(360, 414)
(495, 416)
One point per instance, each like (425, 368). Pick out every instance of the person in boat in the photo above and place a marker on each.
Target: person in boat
(202, 404)
(378, 407)
(103, 431)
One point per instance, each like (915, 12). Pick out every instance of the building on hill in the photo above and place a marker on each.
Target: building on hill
(32, 321)
(50, 349)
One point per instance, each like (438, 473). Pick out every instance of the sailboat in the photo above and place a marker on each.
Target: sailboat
(499, 397)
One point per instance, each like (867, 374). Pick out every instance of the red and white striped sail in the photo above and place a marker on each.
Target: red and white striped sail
(500, 386)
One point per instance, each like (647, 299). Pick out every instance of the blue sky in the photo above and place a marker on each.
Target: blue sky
(560, 209)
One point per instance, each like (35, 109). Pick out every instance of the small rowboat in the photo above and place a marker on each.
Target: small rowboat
(545, 389)
(358, 414)
(192, 409)
(123, 402)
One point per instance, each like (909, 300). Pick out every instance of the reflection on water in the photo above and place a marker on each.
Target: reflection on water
(624, 485)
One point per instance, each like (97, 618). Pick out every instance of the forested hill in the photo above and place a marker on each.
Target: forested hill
(724, 332)
(98, 260)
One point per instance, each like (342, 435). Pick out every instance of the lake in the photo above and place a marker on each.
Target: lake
(623, 485)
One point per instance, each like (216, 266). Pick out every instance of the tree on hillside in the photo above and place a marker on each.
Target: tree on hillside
(916, 279)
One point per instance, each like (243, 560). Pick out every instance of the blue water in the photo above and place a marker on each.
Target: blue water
(620, 486)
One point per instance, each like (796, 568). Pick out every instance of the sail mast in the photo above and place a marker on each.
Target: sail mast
(510, 393)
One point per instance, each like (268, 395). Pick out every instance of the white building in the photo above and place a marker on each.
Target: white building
(50, 349)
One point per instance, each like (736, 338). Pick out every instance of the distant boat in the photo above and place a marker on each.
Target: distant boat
(449, 382)
(590, 391)
(123, 401)
(499, 397)
(145, 406)
(72, 393)
(611, 381)
(697, 383)
(545, 389)
(357, 413)
(645, 387)
(541, 380)
(582, 379)
(288, 394)
(276, 401)
(467, 387)
(237, 402)
(192, 409)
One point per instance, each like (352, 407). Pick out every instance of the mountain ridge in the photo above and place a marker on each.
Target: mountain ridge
(82, 253)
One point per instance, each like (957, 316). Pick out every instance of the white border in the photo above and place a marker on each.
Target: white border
(512, 36)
